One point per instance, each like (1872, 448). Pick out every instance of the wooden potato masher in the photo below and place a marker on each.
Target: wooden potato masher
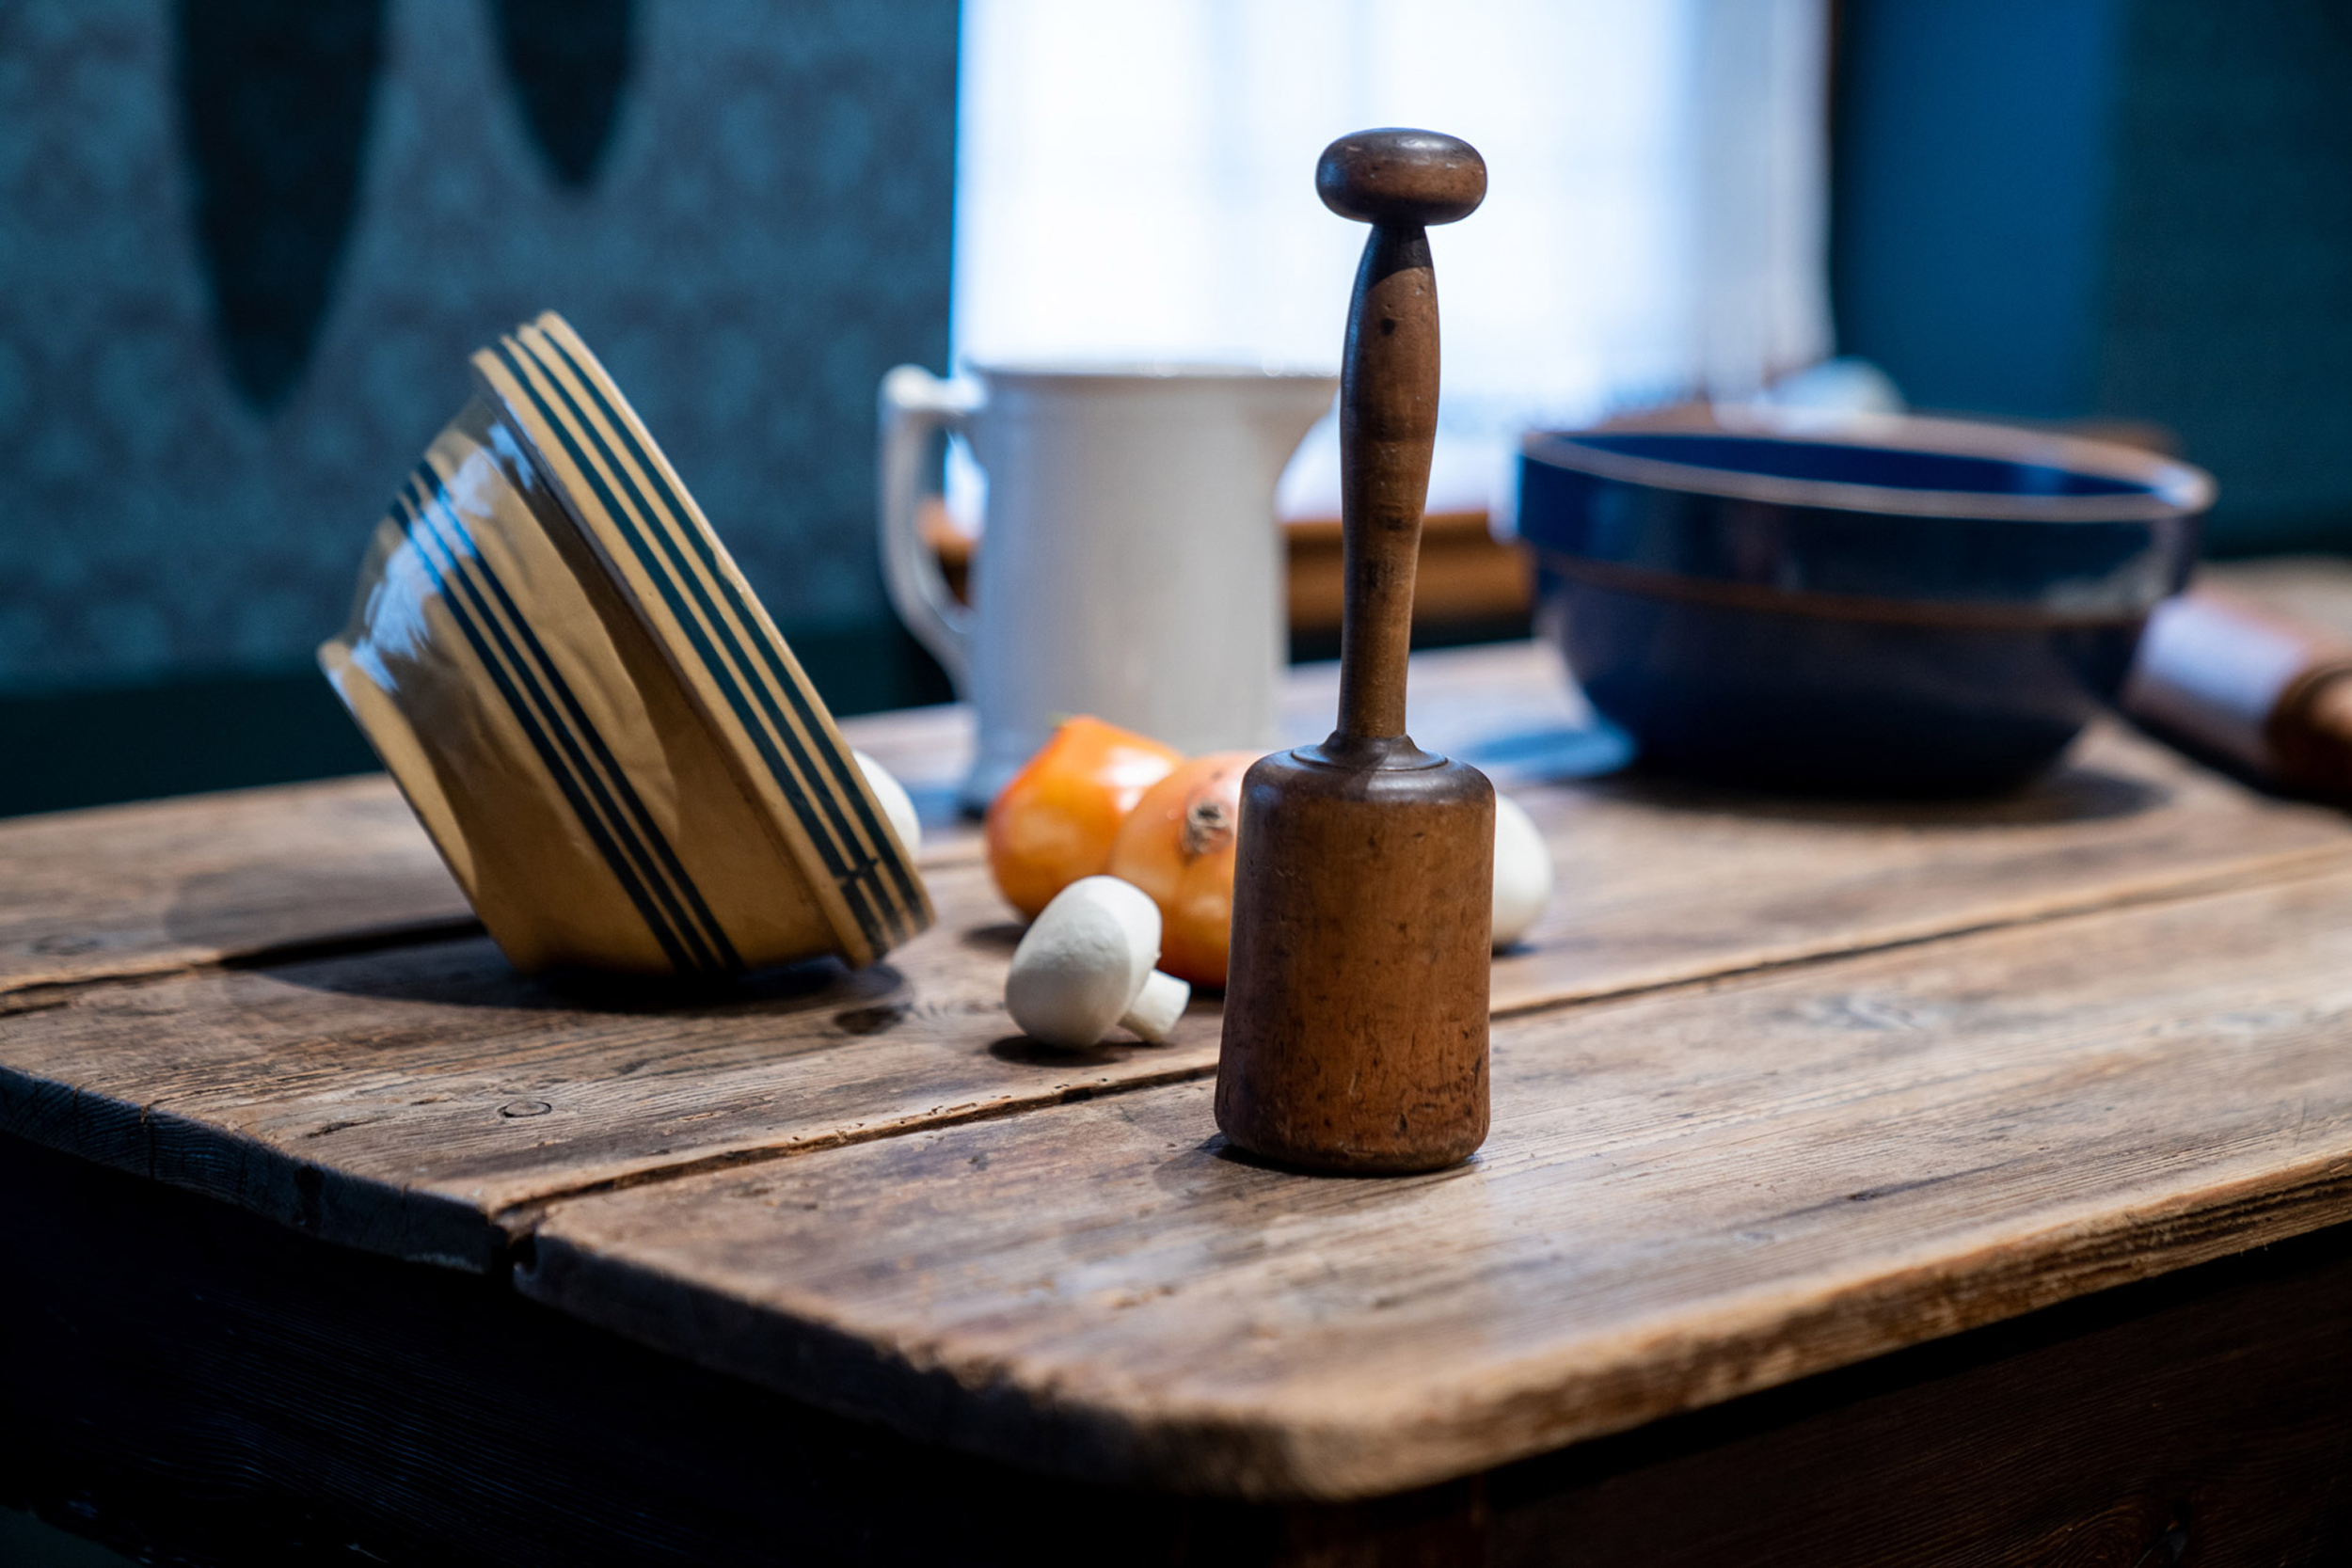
(1355, 1005)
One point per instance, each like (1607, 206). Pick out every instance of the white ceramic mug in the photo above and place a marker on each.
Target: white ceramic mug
(1130, 566)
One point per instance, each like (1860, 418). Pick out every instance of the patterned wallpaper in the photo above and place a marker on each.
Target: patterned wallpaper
(743, 205)
(2134, 208)
(2228, 312)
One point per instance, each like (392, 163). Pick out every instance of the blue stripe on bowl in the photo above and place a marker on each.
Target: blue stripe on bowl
(570, 427)
(878, 922)
(673, 880)
(751, 647)
(574, 752)
(848, 786)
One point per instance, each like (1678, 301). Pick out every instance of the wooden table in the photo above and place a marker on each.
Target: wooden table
(1943, 1184)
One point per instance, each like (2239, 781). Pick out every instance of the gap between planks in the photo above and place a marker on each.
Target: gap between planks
(2086, 1111)
(519, 1221)
(500, 1222)
(1671, 887)
(2289, 865)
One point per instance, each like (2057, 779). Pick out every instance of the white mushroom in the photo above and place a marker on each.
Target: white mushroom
(896, 802)
(1085, 965)
(1522, 872)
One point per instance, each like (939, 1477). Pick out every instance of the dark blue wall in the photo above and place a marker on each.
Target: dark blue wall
(246, 246)
(2134, 208)
(1973, 162)
(2228, 307)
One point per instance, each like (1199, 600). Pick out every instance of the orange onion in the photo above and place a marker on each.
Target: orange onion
(1177, 845)
(1055, 822)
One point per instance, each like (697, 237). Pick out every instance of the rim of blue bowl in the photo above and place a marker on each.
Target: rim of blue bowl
(2166, 488)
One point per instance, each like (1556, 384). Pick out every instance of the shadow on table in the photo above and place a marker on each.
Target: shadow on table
(862, 1003)
(2071, 794)
(474, 973)
(1600, 759)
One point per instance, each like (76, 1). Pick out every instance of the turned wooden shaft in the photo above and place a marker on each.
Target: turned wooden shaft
(1388, 430)
(1399, 182)
(1355, 1034)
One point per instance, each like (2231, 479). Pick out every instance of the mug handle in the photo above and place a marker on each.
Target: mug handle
(914, 403)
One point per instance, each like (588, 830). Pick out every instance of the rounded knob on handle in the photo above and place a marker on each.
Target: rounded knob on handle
(1416, 177)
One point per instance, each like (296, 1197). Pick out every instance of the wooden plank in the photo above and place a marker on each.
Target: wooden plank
(149, 888)
(2200, 1418)
(361, 1096)
(244, 875)
(232, 1393)
(1687, 1195)
(419, 1101)
(239, 876)
(1663, 881)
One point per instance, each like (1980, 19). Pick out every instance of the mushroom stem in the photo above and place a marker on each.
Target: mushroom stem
(1157, 1007)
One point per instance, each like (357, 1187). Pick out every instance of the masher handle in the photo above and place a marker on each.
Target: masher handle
(1399, 182)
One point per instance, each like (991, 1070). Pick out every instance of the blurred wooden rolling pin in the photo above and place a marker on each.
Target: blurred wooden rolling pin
(2250, 686)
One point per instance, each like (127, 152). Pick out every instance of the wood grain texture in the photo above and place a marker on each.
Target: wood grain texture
(195, 1386)
(1355, 1009)
(242, 875)
(1691, 1192)
(360, 1096)
(2194, 1420)
(142, 889)
(237, 877)
(1686, 1197)
(233, 1393)
(233, 877)
(420, 1101)
(1397, 182)
(1663, 881)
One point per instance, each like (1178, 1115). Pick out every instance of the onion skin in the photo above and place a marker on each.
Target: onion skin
(1177, 845)
(1055, 822)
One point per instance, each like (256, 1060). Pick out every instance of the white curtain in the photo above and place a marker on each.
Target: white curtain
(1134, 181)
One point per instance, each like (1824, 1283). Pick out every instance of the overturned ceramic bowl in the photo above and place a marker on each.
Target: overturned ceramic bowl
(606, 737)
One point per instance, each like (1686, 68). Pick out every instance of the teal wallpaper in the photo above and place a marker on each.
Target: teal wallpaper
(2228, 304)
(246, 244)
(2132, 208)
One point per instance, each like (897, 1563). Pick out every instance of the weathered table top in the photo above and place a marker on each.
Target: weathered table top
(1778, 1086)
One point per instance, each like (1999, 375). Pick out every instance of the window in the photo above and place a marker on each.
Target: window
(1135, 183)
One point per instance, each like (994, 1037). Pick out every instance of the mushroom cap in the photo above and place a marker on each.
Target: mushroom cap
(1399, 176)
(1083, 961)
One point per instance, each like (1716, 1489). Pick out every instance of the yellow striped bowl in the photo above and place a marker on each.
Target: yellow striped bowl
(603, 732)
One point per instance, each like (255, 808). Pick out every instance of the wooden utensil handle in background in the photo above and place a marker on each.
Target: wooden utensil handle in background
(1399, 182)
(2234, 680)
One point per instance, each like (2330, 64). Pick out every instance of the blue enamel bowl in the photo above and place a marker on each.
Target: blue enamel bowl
(1896, 606)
